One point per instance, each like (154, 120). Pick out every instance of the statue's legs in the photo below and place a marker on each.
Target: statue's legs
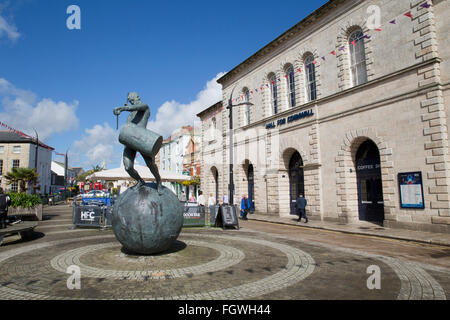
(151, 164)
(128, 161)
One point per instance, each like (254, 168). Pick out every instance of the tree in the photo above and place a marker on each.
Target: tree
(82, 177)
(13, 177)
(23, 176)
(97, 168)
(31, 176)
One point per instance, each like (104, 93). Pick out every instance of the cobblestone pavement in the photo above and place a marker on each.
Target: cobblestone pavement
(259, 261)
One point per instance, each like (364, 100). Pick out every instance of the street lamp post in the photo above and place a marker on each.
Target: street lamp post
(66, 169)
(36, 154)
(230, 107)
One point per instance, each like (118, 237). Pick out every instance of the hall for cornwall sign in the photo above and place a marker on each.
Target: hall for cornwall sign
(292, 118)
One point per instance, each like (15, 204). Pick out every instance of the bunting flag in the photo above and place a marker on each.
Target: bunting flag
(409, 15)
(425, 5)
(378, 29)
(393, 22)
(24, 135)
(333, 53)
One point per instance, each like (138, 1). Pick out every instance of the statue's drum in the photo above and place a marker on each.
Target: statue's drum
(140, 139)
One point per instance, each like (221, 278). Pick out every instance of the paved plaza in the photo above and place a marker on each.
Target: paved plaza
(259, 261)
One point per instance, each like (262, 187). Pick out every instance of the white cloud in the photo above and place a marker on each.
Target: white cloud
(97, 145)
(172, 115)
(21, 111)
(8, 29)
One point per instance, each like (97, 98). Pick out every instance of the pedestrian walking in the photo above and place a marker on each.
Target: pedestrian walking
(245, 207)
(182, 197)
(201, 199)
(301, 208)
(5, 202)
(211, 200)
(225, 199)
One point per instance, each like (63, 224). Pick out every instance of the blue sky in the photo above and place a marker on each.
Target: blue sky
(65, 83)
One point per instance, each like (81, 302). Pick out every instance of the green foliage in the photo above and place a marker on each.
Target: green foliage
(74, 189)
(194, 181)
(24, 200)
(22, 176)
(82, 177)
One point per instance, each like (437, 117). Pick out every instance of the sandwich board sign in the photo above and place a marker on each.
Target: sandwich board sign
(227, 217)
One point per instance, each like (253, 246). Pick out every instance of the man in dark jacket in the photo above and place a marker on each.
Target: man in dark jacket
(301, 208)
(5, 201)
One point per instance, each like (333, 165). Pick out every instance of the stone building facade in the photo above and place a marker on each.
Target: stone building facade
(20, 152)
(342, 111)
(212, 151)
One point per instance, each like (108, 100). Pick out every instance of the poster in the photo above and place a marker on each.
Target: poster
(411, 190)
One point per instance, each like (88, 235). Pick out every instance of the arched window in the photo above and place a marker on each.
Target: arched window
(212, 129)
(274, 93)
(290, 77)
(310, 72)
(247, 107)
(357, 58)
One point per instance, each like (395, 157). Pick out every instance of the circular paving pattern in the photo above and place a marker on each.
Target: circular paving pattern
(299, 266)
(228, 257)
(416, 283)
(206, 264)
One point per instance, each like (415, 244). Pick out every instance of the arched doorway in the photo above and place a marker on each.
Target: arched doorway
(215, 174)
(251, 187)
(370, 187)
(296, 179)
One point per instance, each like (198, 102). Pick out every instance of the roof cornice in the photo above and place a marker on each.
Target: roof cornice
(214, 106)
(289, 34)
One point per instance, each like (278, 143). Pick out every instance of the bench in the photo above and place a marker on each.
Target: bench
(25, 229)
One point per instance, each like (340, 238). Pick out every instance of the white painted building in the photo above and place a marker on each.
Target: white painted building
(172, 154)
(57, 182)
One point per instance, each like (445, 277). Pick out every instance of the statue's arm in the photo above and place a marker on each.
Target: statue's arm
(134, 107)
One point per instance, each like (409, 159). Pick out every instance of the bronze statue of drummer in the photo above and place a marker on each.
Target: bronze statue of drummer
(136, 138)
